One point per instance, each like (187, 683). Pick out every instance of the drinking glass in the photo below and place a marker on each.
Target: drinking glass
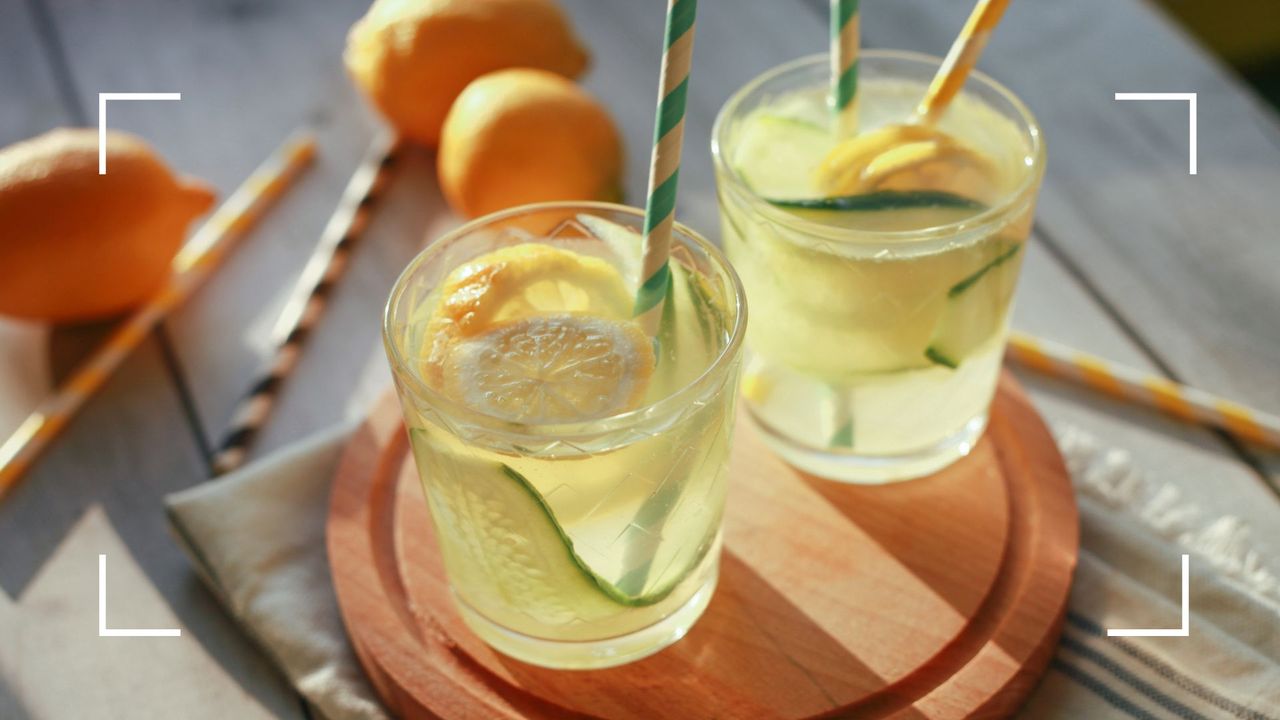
(877, 332)
(592, 542)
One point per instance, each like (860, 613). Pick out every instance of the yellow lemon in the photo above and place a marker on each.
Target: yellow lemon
(76, 245)
(521, 136)
(413, 57)
(552, 368)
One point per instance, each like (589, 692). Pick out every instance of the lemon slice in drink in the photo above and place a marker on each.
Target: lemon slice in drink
(841, 170)
(551, 369)
(530, 279)
(518, 282)
(511, 551)
(907, 158)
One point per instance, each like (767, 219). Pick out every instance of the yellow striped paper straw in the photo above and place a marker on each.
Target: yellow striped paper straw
(844, 65)
(193, 264)
(664, 170)
(1179, 401)
(960, 59)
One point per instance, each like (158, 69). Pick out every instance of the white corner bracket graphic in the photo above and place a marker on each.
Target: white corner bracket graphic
(102, 118)
(103, 630)
(1190, 98)
(1183, 631)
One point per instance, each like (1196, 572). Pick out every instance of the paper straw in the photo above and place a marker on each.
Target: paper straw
(664, 170)
(307, 304)
(844, 65)
(843, 99)
(193, 264)
(960, 59)
(1179, 401)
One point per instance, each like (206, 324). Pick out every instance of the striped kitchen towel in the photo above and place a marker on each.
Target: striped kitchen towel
(1133, 533)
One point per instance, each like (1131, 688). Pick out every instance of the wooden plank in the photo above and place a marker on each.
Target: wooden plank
(1189, 263)
(33, 103)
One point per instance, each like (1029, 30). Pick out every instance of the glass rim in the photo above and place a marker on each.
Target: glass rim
(594, 427)
(997, 213)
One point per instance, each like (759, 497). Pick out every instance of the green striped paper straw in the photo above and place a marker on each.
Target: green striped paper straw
(844, 108)
(664, 170)
(844, 65)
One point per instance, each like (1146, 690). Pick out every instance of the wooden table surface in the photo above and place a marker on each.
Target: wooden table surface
(1134, 260)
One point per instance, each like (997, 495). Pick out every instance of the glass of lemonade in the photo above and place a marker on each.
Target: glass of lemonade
(879, 314)
(575, 467)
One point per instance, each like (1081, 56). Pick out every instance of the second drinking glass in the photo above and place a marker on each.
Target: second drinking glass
(879, 310)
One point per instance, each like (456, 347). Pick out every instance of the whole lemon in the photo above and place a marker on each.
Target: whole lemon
(522, 136)
(76, 245)
(413, 57)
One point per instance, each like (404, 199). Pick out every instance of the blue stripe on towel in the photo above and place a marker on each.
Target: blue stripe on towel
(1167, 672)
(1111, 666)
(1101, 690)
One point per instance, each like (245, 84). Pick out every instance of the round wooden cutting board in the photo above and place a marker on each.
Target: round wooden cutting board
(935, 598)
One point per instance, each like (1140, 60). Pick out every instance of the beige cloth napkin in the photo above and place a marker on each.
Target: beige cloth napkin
(257, 537)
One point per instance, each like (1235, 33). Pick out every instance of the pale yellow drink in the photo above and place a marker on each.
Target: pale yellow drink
(575, 468)
(879, 319)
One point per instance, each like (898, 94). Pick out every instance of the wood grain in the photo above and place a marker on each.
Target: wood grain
(941, 595)
(33, 102)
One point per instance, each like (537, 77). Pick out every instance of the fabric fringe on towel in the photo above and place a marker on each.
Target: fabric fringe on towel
(1110, 476)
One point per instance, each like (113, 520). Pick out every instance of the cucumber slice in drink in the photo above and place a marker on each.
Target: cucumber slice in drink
(882, 200)
(884, 210)
(975, 309)
(507, 543)
(546, 541)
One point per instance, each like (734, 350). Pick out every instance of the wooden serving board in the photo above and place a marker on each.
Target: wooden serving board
(937, 598)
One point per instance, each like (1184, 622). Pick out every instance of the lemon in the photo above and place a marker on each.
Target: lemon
(551, 368)
(522, 136)
(413, 57)
(908, 158)
(78, 246)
